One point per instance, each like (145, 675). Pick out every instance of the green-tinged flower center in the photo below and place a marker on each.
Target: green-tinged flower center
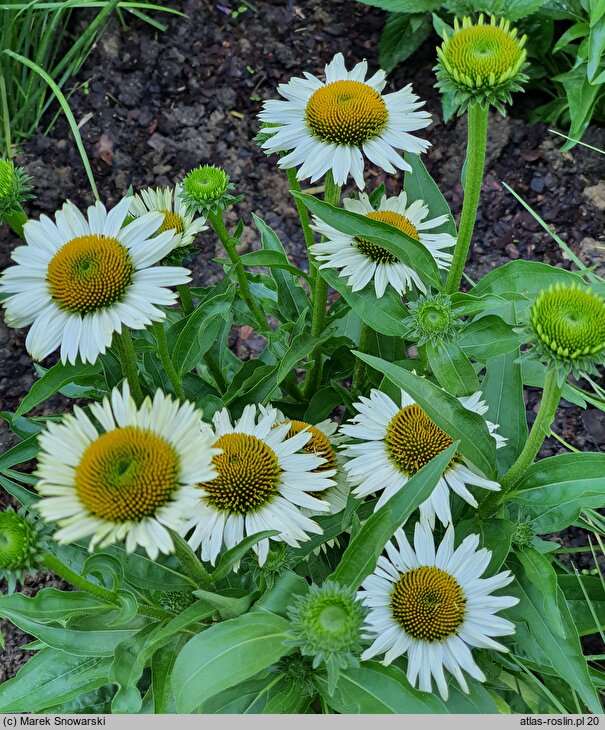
(377, 253)
(172, 222)
(17, 538)
(412, 440)
(205, 184)
(483, 54)
(428, 603)
(89, 273)
(318, 445)
(346, 112)
(569, 321)
(249, 474)
(127, 474)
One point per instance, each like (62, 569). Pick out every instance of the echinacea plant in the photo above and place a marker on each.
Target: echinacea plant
(349, 520)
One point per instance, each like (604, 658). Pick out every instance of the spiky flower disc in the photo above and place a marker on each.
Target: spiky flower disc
(326, 625)
(14, 187)
(481, 63)
(205, 190)
(21, 546)
(567, 327)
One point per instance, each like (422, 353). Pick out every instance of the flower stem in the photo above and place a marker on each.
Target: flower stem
(365, 338)
(216, 220)
(175, 379)
(186, 298)
(475, 160)
(320, 298)
(190, 562)
(16, 220)
(128, 362)
(305, 221)
(59, 568)
(551, 395)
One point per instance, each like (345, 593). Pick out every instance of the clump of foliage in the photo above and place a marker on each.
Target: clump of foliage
(354, 520)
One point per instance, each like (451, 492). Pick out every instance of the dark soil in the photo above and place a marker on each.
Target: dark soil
(153, 105)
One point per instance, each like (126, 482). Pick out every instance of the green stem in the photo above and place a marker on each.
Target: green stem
(305, 222)
(186, 298)
(216, 220)
(59, 568)
(365, 338)
(123, 340)
(551, 395)
(475, 160)
(320, 298)
(190, 562)
(16, 219)
(175, 379)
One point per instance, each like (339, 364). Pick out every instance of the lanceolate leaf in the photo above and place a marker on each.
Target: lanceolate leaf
(452, 368)
(226, 654)
(476, 443)
(418, 184)
(404, 247)
(53, 380)
(360, 558)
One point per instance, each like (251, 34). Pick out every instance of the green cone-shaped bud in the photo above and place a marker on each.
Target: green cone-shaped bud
(206, 190)
(431, 319)
(326, 624)
(567, 328)
(21, 546)
(481, 63)
(14, 187)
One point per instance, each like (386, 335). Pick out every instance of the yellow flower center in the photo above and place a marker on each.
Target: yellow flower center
(346, 112)
(172, 222)
(376, 253)
(248, 475)
(318, 445)
(482, 54)
(412, 440)
(89, 273)
(428, 603)
(127, 474)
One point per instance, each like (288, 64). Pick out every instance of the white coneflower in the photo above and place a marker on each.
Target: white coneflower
(396, 441)
(434, 606)
(79, 280)
(262, 483)
(330, 125)
(168, 202)
(361, 260)
(133, 480)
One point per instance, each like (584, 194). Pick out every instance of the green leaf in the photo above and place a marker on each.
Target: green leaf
(405, 6)
(383, 315)
(226, 654)
(502, 389)
(242, 698)
(495, 535)
(452, 368)
(126, 670)
(554, 491)
(50, 604)
(279, 598)
(55, 378)
(200, 330)
(229, 558)
(24, 451)
(51, 677)
(419, 185)
(539, 571)
(291, 297)
(576, 589)
(398, 42)
(162, 664)
(375, 689)
(285, 698)
(561, 656)
(272, 260)
(21, 494)
(360, 557)
(476, 443)
(488, 337)
(407, 249)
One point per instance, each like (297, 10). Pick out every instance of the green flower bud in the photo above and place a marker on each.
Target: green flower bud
(177, 601)
(523, 533)
(206, 190)
(21, 546)
(326, 625)
(481, 64)
(279, 560)
(14, 187)
(431, 319)
(567, 329)
(298, 672)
